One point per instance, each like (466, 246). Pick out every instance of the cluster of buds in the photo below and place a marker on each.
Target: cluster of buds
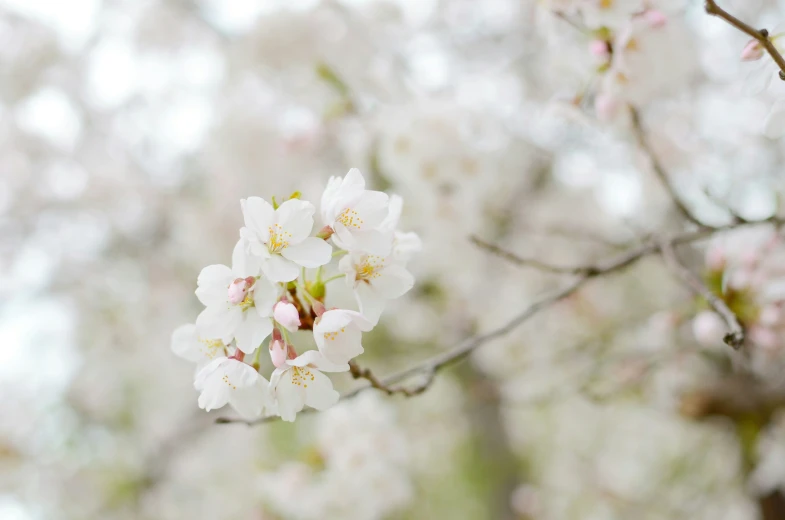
(275, 287)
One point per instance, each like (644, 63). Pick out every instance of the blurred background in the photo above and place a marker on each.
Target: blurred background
(130, 129)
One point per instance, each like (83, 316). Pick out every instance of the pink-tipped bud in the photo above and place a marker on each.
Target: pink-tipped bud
(278, 352)
(290, 352)
(239, 289)
(325, 233)
(752, 51)
(716, 259)
(655, 19)
(708, 328)
(286, 314)
(599, 48)
(605, 106)
(318, 308)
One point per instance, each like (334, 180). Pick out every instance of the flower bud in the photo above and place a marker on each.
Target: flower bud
(278, 353)
(708, 328)
(655, 19)
(318, 308)
(752, 51)
(606, 106)
(286, 314)
(239, 289)
(599, 48)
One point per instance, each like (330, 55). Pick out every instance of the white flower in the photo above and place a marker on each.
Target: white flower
(279, 238)
(405, 245)
(356, 214)
(228, 380)
(187, 344)
(338, 334)
(247, 320)
(375, 280)
(299, 382)
(287, 316)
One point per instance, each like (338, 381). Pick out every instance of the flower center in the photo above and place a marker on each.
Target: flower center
(226, 380)
(350, 219)
(301, 376)
(212, 347)
(279, 238)
(332, 336)
(369, 268)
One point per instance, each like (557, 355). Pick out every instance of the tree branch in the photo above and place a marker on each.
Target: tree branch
(762, 35)
(735, 336)
(659, 170)
(532, 262)
(431, 366)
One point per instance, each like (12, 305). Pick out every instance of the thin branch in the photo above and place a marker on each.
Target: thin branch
(735, 336)
(531, 262)
(365, 373)
(659, 169)
(762, 35)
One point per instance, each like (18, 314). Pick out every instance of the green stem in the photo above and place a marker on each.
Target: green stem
(340, 252)
(305, 292)
(285, 334)
(319, 274)
(255, 363)
(330, 279)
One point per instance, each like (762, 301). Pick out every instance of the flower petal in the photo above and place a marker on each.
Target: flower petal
(393, 281)
(218, 321)
(213, 281)
(279, 269)
(265, 294)
(316, 359)
(320, 394)
(289, 398)
(311, 252)
(259, 216)
(251, 331)
(371, 303)
(245, 264)
(373, 207)
(295, 217)
(186, 344)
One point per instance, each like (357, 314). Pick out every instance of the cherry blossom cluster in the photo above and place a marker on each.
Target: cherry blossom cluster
(275, 287)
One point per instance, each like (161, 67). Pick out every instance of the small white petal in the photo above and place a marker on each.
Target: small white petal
(393, 281)
(186, 344)
(320, 394)
(279, 269)
(316, 359)
(311, 252)
(295, 217)
(244, 263)
(251, 331)
(218, 321)
(259, 216)
(213, 281)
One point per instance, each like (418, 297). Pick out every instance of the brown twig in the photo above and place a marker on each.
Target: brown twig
(365, 373)
(762, 35)
(735, 336)
(531, 262)
(659, 169)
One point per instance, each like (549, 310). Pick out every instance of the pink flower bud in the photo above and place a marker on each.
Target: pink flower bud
(655, 19)
(605, 106)
(708, 328)
(318, 308)
(599, 48)
(278, 353)
(287, 315)
(716, 260)
(239, 289)
(752, 51)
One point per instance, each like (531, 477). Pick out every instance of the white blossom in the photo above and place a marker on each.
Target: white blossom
(338, 334)
(228, 380)
(356, 214)
(187, 344)
(279, 238)
(375, 280)
(247, 320)
(299, 382)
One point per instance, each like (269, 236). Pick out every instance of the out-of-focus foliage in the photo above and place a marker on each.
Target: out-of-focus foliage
(131, 129)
